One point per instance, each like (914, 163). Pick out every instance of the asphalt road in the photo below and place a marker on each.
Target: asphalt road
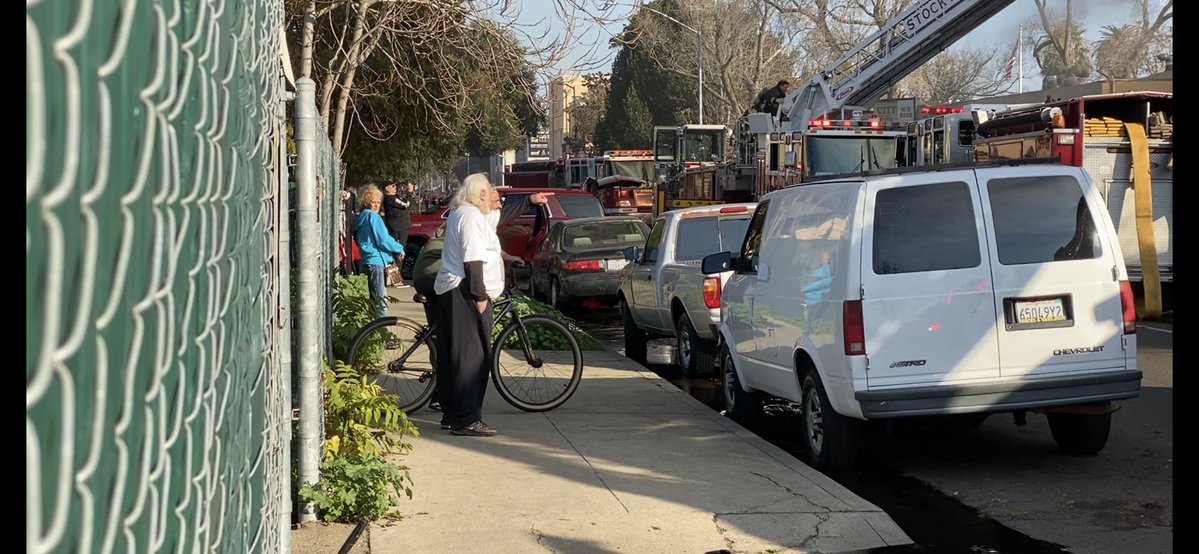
(1001, 487)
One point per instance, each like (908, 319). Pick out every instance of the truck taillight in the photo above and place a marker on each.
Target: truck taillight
(582, 265)
(712, 292)
(1128, 303)
(853, 328)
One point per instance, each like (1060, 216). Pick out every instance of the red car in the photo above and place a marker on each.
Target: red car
(524, 235)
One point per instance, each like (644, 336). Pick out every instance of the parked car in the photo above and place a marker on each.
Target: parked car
(663, 293)
(582, 258)
(959, 291)
(524, 235)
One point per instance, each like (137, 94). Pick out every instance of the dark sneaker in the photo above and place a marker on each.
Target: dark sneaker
(445, 425)
(476, 429)
(435, 406)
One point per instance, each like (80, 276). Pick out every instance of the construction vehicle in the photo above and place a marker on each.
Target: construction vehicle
(1126, 142)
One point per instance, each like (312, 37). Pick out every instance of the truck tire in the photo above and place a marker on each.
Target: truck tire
(741, 406)
(1080, 433)
(831, 438)
(634, 338)
(694, 354)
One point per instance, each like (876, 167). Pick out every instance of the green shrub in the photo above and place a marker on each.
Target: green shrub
(528, 306)
(353, 308)
(358, 486)
(359, 418)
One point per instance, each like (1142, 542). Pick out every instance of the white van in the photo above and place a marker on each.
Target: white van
(961, 290)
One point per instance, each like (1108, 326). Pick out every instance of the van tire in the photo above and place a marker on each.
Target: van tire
(831, 438)
(634, 338)
(741, 406)
(1080, 433)
(694, 354)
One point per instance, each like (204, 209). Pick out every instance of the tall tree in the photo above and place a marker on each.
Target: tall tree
(1133, 49)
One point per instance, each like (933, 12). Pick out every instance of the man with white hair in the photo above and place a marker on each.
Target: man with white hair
(471, 276)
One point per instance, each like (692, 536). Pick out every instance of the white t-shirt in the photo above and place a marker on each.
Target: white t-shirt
(470, 237)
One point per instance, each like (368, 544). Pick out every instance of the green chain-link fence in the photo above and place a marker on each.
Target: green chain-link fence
(158, 398)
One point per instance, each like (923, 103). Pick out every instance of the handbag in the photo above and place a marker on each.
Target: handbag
(392, 277)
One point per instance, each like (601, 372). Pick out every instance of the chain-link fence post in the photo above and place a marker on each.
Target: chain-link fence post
(308, 293)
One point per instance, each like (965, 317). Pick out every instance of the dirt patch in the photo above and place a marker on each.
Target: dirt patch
(327, 538)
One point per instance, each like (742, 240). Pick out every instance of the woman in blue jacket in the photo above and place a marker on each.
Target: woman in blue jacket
(376, 245)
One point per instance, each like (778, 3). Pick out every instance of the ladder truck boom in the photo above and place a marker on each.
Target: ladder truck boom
(880, 61)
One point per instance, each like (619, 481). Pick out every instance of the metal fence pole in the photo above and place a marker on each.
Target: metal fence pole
(308, 294)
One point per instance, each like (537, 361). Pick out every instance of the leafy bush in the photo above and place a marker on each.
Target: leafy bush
(361, 424)
(528, 306)
(359, 418)
(358, 486)
(353, 308)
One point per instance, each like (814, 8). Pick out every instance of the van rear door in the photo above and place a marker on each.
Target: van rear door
(1056, 271)
(927, 303)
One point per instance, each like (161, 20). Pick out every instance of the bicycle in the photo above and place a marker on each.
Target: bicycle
(536, 362)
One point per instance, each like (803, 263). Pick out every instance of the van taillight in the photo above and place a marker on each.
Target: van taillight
(854, 329)
(1128, 303)
(712, 292)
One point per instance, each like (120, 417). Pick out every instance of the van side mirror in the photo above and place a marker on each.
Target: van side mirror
(717, 263)
(632, 253)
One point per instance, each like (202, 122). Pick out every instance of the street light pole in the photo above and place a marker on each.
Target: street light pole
(699, 58)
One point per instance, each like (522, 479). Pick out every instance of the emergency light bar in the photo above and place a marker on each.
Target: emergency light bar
(939, 110)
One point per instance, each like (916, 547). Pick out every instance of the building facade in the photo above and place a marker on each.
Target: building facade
(565, 92)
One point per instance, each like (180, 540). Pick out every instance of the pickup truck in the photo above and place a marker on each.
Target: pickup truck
(663, 293)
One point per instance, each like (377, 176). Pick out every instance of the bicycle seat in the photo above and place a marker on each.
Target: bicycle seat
(419, 298)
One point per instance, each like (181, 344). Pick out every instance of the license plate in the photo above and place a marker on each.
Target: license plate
(617, 265)
(1040, 311)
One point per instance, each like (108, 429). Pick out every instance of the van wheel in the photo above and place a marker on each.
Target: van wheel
(741, 406)
(1080, 433)
(694, 354)
(831, 438)
(634, 338)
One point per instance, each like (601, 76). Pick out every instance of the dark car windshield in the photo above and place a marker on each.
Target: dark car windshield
(702, 236)
(580, 205)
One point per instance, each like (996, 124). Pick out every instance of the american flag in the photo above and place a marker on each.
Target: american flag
(1011, 62)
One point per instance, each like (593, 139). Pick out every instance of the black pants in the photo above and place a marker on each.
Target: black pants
(399, 230)
(464, 356)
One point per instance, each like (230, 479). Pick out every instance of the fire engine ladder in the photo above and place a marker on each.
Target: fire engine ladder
(876, 64)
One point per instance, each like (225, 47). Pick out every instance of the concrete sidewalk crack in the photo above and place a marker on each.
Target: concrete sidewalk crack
(727, 541)
(790, 490)
(588, 462)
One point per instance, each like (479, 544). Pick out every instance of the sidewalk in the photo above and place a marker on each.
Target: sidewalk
(630, 464)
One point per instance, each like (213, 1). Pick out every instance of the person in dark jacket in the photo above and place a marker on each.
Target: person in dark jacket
(396, 210)
(769, 100)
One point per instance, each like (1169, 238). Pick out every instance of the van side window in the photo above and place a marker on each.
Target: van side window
(1042, 219)
(925, 228)
(753, 238)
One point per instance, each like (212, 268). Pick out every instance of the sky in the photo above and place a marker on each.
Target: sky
(999, 33)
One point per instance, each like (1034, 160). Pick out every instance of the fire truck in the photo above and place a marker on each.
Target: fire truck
(826, 126)
(1126, 142)
(624, 184)
(688, 160)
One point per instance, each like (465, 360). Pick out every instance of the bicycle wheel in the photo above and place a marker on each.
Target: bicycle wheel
(399, 356)
(537, 365)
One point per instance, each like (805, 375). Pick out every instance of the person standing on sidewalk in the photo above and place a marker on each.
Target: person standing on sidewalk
(376, 245)
(428, 264)
(471, 276)
(396, 210)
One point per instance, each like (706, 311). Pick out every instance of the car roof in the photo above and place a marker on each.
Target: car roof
(555, 190)
(602, 219)
(714, 209)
